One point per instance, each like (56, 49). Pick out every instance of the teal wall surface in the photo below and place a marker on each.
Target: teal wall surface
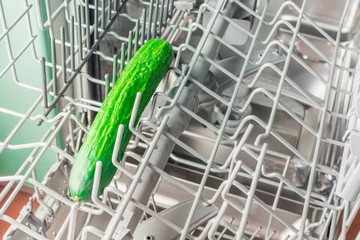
(18, 98)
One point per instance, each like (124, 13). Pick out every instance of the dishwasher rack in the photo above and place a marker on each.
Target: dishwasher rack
(252, 134)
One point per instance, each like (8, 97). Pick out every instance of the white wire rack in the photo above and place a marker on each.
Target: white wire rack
(251, 135)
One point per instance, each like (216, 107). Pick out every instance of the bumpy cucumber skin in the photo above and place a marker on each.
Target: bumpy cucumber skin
(142, 74)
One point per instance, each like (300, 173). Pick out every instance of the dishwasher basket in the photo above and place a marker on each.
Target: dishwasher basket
(252, 134)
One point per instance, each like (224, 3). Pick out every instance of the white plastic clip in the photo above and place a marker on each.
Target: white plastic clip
(95, 190)
(133, 119)
(115, 154)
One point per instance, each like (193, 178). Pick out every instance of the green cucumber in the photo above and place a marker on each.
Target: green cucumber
(142, 74)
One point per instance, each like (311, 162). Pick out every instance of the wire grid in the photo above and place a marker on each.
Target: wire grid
(330, 111)
(75, 46)
(327, 206)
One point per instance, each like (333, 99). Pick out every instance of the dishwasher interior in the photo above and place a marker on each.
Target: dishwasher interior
(252, 133)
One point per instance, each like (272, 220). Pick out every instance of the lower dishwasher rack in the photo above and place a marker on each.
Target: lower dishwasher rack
(251, 134)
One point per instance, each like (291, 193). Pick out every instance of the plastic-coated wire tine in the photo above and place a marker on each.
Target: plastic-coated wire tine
(109, 11)
(277, 196)
(150, 19)
(137, 33)
(115, 68)
(87, 20)
(72, 222)
(161, 20)
(115, 5)
(130, 45)
(71, 135)
(53, 57)
(171, 8)
(166, 12)
(103, 14)
(63, 54)
(107, 86)
(91, 50)
(96, 23)
(95, 189)
(72, 44)
(123, 55)
(143, 27)
(156, 18)
(80, 133)
(80, 33)
(44, 81)
(251, 193)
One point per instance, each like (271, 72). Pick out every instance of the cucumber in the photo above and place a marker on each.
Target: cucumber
(142, 74)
